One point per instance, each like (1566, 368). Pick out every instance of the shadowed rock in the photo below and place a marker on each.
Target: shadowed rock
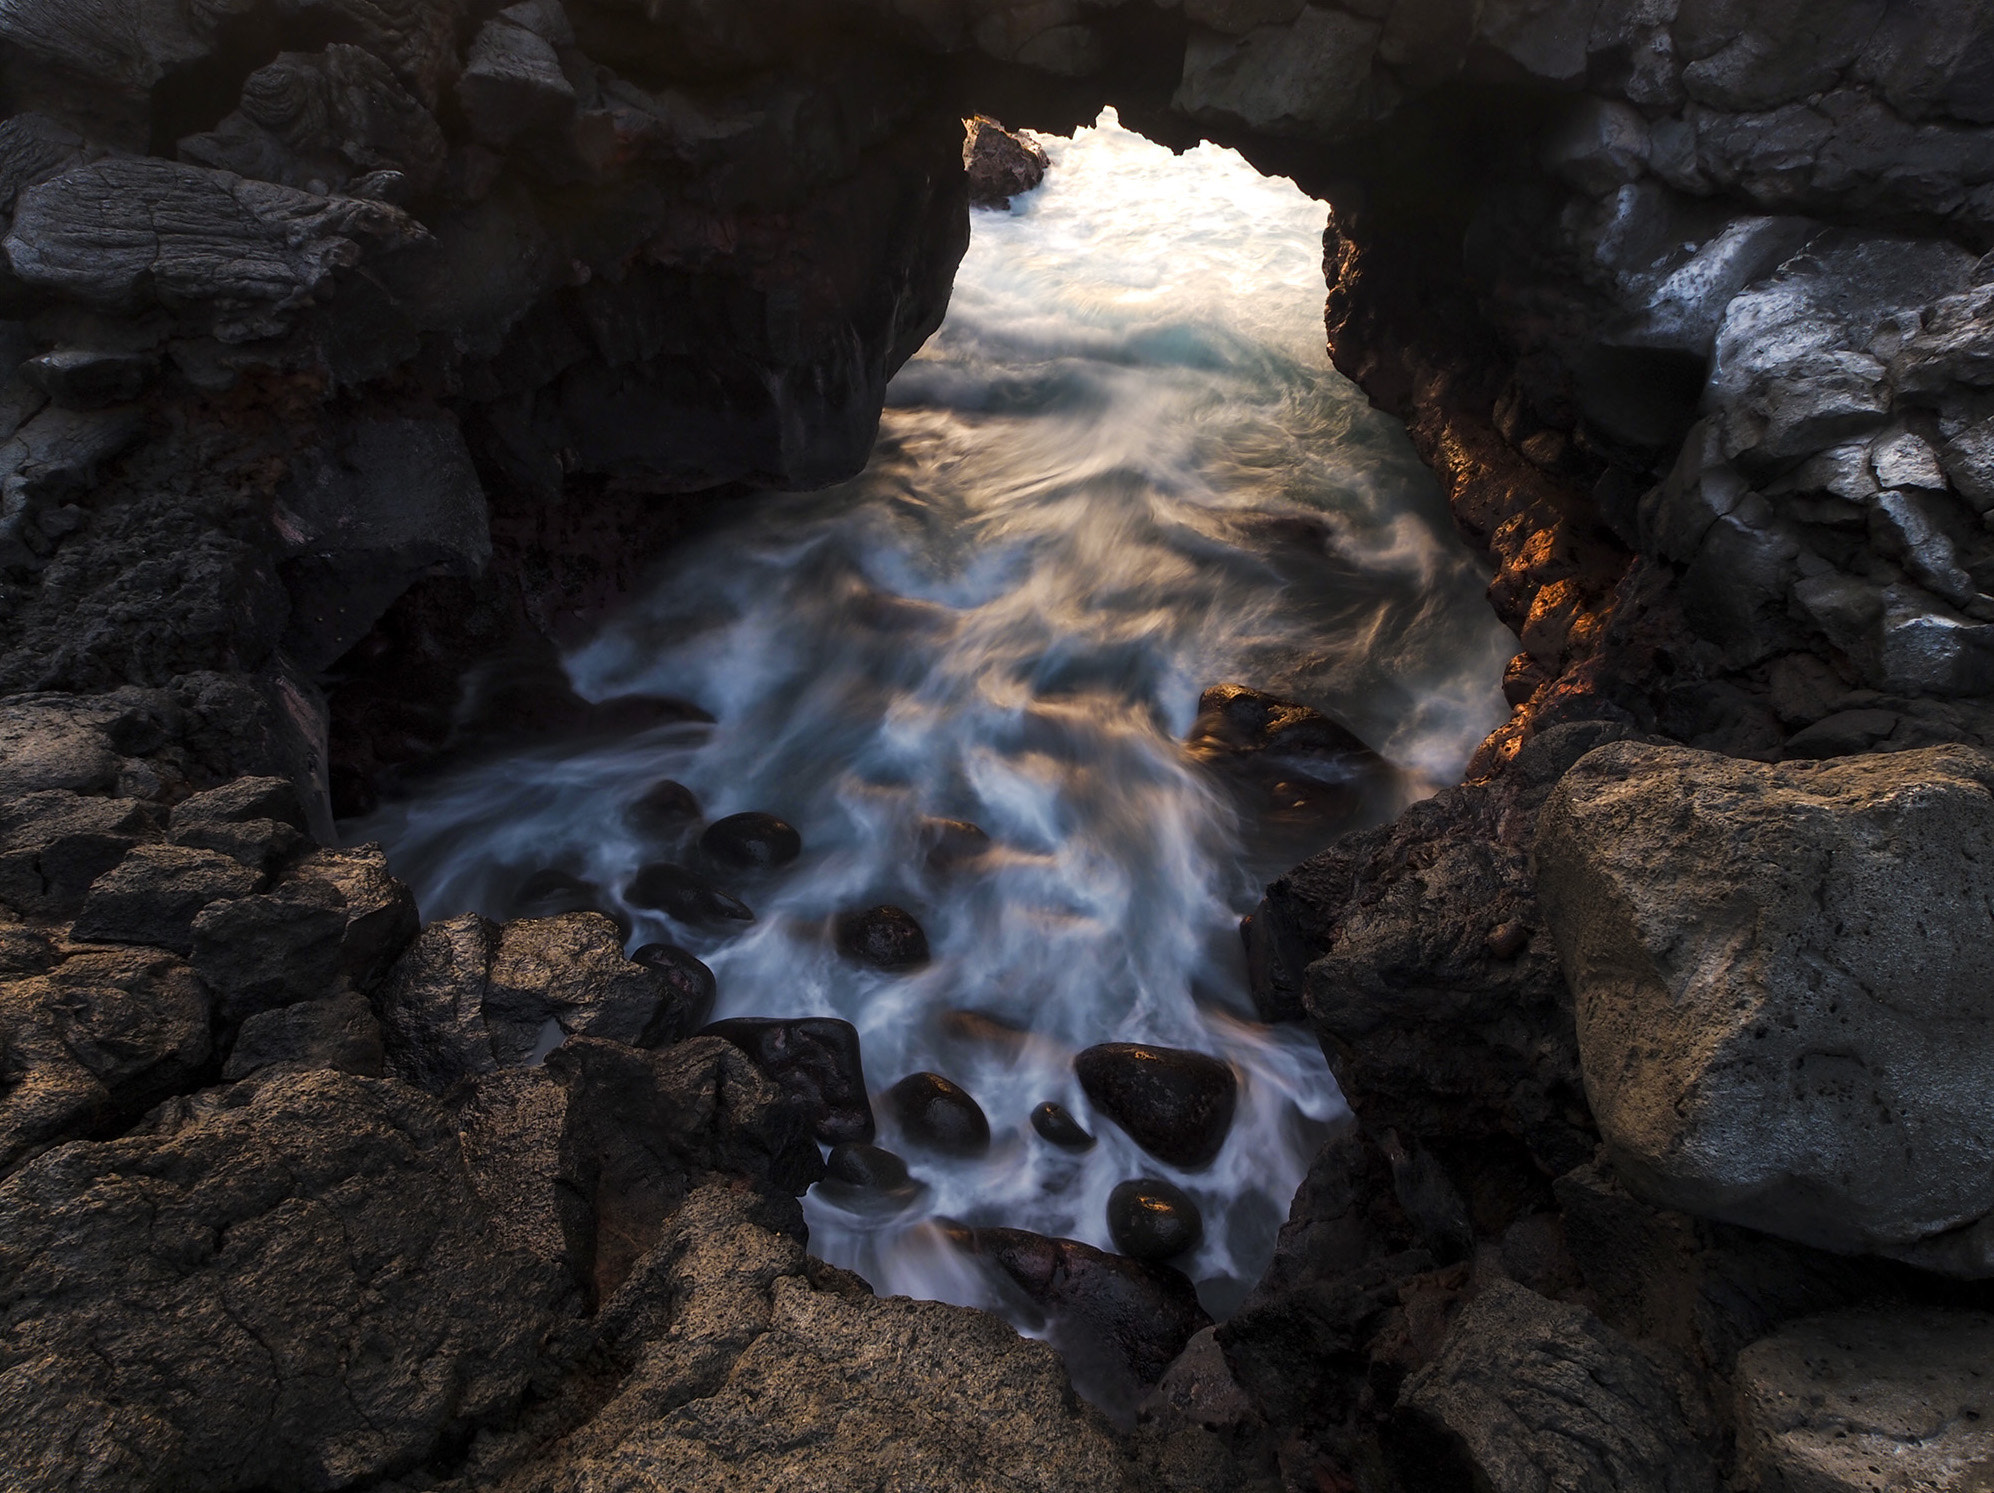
(886, 938)
(1150, 1219)
(816, 1061)
(1058, 1126)
(940, 1115)
(1176, 1105)
(1001, 164)
(686, 896)
(751, 841)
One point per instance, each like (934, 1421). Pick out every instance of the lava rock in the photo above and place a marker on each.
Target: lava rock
(1114, 1317)
(665, 806)
(1245, 726)
(340, 1033)
(570, 970)
(1176, 1105)
(1539, 1393)
(1057, 1125)
(1721, 920)
(259, 953)
(1001, 165)
(690, 980)
(1149, 1219)
(858, 1165)
(257, 821)
(381, 918)
(154, 894)
(815, 1060)
(754, 842)
(939, 1114)
(884, 937)
(55, 844)
(79, 378)
(549, 892)
(686, 896)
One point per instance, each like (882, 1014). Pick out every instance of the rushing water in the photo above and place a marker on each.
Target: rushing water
(1121, 472)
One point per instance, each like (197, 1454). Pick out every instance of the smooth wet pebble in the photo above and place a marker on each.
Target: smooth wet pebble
(939, 1114)
(685, 895)
(1150, 1219)
(1176, 1105)
(872, 1167)
(666, 806)
(885, 937)
(690, 979)
(953, 843)
(752, 842)
(1058, 1126)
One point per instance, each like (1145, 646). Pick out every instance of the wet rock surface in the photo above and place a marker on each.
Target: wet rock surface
(1060, 1127)
(939, 1114)
(1001, 164)
(887, 938)
(1150, 1219)
(751, 841)
(817, 1061)
(686, 896)
(1176, 1105)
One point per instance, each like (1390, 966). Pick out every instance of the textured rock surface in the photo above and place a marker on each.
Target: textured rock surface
(304, 1257)
(1779, 982)
(1869, 1400)
(1539, 1394)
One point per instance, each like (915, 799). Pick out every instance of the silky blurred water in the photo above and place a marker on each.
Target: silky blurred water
(1122, 471)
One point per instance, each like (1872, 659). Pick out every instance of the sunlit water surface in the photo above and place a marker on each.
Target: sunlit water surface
(1121, 472)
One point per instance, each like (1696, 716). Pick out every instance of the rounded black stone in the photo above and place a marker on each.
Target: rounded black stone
(1058, 1126)
(1176, 1105)
(751, 841)
(685, 895)
(665, 806)
(690, 980)
(1149, 1219)
(886, 938)
(939, 1114)
(870, 1167)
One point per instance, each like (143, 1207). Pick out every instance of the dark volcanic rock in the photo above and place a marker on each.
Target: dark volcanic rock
(816, 1061)
(1540, 1393)
(154, 895)
(94, 1042)
(645, 1126)
(885, 937)
(381, 916)
(55, 844)
(258, 821)
(1240, 726)
(858, 1165)
(689, 980)
(1001, 164)
(941, 1115)
(78, 378)
(1112, 1316)
(686, 896)
(571, 971)
(259, 953)
(1177, 1105)
(1058, 1126)
(152, 1276)
(665, 806)
(751, 841)
(1150, 1219)
(431, 1004)
(340, 1032)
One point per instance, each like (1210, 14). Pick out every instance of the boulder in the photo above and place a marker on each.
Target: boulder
(94, 1042)
(690, 981)
(154, 895)
(1528, 1394)
(756, 1368)
(1176, 1105)
(257, 821)
(938, 1114)
(304, 1255)
(1307, 78)
(514, 1128)
(259, 953)
(571, 970)
(381, 918)
(339, 1032)
(1778, 971)
(816, 1061)
(1896, 1397)
(1120, 1322)
(54, 844)
(512, 83)
(645, 1127)
(1001, 164)
(431, 1004)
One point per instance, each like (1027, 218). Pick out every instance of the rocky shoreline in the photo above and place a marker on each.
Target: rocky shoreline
(358, 353)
